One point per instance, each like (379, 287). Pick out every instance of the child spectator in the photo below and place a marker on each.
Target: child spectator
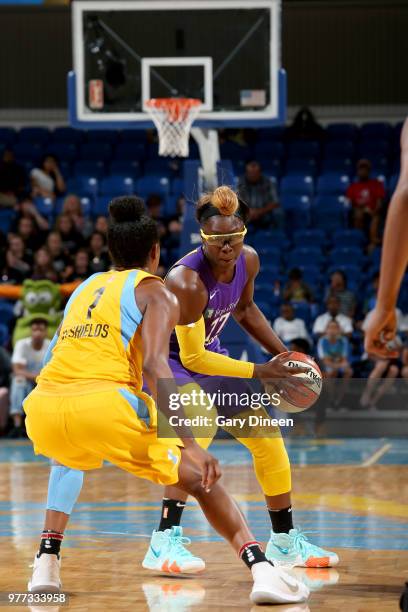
(101, 225)
(296, 290)
(47, 180)
(80, 269)
(333, 350)
(27, 359)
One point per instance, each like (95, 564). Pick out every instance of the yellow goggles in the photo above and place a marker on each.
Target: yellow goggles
(221, 239)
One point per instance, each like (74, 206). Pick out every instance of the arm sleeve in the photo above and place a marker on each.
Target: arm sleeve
(195, 357)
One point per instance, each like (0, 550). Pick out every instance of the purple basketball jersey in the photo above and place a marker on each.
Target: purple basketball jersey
(222, 298)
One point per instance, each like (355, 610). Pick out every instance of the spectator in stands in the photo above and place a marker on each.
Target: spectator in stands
(154, 207)
(72, 207)
(305, 126)
(381, 377)
(27, 208)
(5, 371)
(12, 179)
(259, 192)
(366, 196)
(43, 268)
(288, 327)
(338, 288)
(300, 345)
(28, 231)
(60, 258)
(72, 240)
(333, 350)
(371, 294)
(17, 257)
(47, 180)
(26, 361)
(101, 225)
(99, 258)
(296, 290)
(80, 269)
(333, 314)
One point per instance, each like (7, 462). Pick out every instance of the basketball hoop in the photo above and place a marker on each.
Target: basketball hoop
(173, 118)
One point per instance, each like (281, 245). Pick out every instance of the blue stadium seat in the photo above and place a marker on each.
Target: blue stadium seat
(271, 167)
(270, 255)
(86, 204)
(233, 150)
(170, 206)
(87, 167)
(309, 237)
(297, 184)
(376, 129)
(346, 256)
(84, 185)
(309, 256)
(149, 185)
(161, 166)
(332, 184)
(268, 238)
(303, 148)
(301, 165)
(130, 150)
(6, 312)
(375, 257)
(38, 135)
(4, 335)
(349, 238)
(302, 311)
(268, 149)
(63, 151)
(339, 148)
(105, 136)
(133, 136)
(268, 273)
(116, 186)
(177, 186)
(95, 151)
(101, 206)
(311, 274)
(125, 167)
(45, 206)
(272, 133)
(329, 213)
(297, 211)
(340, 131)
(67, 134)
(28, 151)
(8, 135)
(374, 147)
(338, 165)
(7, 217)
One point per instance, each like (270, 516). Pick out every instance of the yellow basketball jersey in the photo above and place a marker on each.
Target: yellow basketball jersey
(100, 335)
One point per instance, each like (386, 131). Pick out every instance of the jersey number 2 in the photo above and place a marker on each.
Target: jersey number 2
(98, 294)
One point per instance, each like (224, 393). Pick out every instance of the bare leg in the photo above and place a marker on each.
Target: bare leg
(278, 502)
(55, 521)
(173, 492)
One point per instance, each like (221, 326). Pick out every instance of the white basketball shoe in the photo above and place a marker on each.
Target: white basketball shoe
(46, 574)
(273, 585)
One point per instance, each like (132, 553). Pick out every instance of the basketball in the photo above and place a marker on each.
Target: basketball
(307, 388)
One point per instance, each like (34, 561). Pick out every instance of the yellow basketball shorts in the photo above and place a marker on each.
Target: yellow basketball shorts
(115, 425)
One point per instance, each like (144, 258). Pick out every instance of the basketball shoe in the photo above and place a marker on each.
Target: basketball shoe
(46, 574)
(167, 553)
(293, 549)
(275, 586)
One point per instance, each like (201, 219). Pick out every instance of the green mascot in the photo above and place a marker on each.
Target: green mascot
(40, 298)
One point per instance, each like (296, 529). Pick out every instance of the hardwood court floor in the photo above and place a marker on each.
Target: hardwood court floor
(355, 506)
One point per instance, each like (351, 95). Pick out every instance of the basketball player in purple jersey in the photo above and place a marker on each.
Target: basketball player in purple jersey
(211, 283)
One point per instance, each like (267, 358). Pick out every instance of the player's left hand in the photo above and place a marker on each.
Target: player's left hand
(381, 331)
(208, 465)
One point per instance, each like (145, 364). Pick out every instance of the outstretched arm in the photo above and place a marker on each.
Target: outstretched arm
(248, 315)
(382, 326)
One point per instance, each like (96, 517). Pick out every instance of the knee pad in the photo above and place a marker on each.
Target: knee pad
(271, 463)
(64, 487)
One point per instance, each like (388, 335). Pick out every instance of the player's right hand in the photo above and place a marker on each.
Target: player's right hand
(380, 332)
(276, 368)
(207, 464)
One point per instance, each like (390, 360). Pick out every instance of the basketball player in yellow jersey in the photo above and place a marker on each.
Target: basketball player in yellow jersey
(88, 405)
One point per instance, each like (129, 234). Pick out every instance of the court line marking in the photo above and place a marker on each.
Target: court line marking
(377, 455)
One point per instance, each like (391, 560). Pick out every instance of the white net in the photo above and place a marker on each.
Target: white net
(173, 118)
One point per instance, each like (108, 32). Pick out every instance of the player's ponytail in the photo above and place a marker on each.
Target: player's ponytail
(222, 201)
(131, 232)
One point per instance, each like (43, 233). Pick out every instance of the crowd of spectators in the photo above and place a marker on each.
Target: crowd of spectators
(72, 245)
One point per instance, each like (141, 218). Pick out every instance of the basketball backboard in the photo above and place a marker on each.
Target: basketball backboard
(224, 52)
